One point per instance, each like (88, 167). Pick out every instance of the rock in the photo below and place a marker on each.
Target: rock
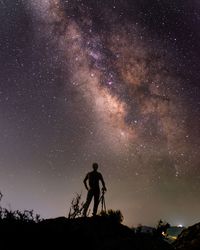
(189, 239)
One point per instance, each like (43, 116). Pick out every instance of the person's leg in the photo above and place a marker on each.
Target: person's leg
(87, 203)
(96, 201)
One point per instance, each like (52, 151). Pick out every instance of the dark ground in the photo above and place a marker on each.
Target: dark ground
(97, 233)
(189, 239)
(91, 233)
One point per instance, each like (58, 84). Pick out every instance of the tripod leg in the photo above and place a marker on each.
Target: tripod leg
(101, 203)
(104, 204)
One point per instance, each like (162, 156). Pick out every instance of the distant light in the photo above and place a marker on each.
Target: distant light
(180, 225)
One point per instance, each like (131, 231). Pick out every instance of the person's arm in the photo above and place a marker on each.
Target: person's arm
(85, 181)
(103, 182)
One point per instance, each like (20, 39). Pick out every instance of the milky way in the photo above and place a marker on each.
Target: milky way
(121, 77)
(126, 101)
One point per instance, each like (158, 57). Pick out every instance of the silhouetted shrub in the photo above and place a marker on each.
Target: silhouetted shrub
(114, 215)
(138, 229)
(161, 228)
(17, 215)
(76, 207)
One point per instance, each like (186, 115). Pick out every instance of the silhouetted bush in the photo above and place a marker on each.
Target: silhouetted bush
(138, 229)
(17, 215)
(114, 215)
(161, 228)
(76, 207)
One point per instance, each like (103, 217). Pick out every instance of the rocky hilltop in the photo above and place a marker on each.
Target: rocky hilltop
(189, 239)
(96, 233)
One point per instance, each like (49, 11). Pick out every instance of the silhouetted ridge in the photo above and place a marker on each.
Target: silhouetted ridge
(95, 233)
(189, 239)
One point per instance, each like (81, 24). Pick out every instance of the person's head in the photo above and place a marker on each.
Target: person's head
(95, 166)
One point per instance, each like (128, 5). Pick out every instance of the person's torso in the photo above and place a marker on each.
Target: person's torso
(94, 178)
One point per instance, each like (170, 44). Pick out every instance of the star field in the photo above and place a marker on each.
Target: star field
(115, 82)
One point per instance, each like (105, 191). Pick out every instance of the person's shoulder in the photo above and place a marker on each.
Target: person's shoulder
(100, 175)
(88, 173)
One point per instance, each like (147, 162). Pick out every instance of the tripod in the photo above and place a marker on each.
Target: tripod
(102, 200)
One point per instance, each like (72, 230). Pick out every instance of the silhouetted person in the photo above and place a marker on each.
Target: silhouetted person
(93, 190)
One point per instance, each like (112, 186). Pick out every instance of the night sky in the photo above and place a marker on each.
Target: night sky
(110, 81)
